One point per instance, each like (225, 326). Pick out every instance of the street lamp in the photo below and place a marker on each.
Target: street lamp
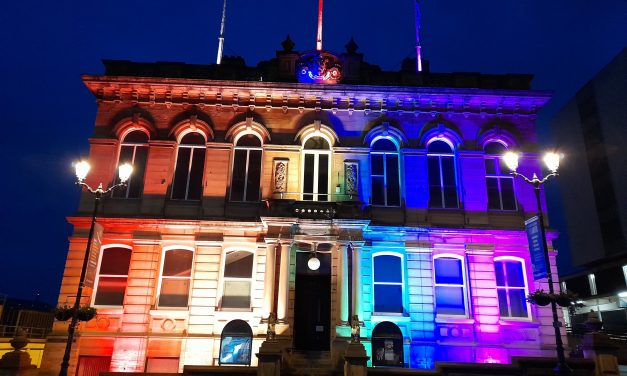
(552, 162)
(82, 169)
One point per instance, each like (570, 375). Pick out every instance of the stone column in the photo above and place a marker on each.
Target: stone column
(268, 282)
(284, 283)
(356, 297)
(355, 360)
(343, 248)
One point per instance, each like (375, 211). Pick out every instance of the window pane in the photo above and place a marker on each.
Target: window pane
(378, 191)
(196, 172)
(115, 261)
(126, 156)
(136, 182)
(235, 350)
(434, 171)
(494, 198)
(435, 197)
(439, 147)
(178, 263)
(388, 298)
(180, 175)
(136, 137)
(490, 168)
(317, 143)
(384, 144)
(377, 164)
(249, 140)
(514, 274)
(494, 148)
(110, 291)
(503, 307)
(449, 300)
(308, 178)
(162, 365)
(448, 271)
(323, 176)
(517, 303)
(238, 264)
(387, 268)
(239, 175)
(393, 188)
(450, 197)
(500, 274)
(448, 171)
(193, 138)
(174, 292)
(507, 193)
(236, 294)
(254, 175)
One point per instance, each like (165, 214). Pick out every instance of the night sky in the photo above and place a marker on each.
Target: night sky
(47, 114)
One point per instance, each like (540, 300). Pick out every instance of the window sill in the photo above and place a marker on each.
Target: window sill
(169, 312)
(520, 322)
(454, 320)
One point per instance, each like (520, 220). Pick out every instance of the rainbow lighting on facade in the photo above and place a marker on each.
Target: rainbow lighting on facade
(255, 199)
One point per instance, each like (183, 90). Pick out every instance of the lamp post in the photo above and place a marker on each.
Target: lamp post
(552, 161)
(82, 169)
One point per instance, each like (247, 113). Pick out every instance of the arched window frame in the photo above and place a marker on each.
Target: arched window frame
(440, 157)
(499, 176)
(315, 195)
(162, 277)
(386, 155)
(224, 279)
(523, 265)
(137, 177)
(103, 249)
(194, 148)
(464, 286)
(248, 150)
(402, 284)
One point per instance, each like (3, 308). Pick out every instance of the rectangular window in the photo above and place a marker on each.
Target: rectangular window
(110, 285)
(388, 283)
(188, 175)
(237, 277)
(450, 286)
(500, 185)
(511, 288)
(176, 277)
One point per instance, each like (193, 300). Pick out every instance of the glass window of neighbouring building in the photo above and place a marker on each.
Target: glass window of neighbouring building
(388, 283)
(384, 172)
(176, 276)
(110, 285)
(246, 172)
(236, 343)
(316, 169)
(238, 273)
(450, 286)
(511, 288)
(134, 150)
(190, 165)
(499, 182)
(442, 177)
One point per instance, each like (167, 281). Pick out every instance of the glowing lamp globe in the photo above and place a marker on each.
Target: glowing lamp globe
(552, 161)
(125, 172)
(82, 169)
(511, 160)
(313, 263)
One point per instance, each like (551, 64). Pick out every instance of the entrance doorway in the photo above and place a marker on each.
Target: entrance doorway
(312, 311)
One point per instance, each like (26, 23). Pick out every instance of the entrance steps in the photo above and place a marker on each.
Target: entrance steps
(310, 363)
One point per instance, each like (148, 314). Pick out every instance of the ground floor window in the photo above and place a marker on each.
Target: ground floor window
(93, 365)
(387, 345)
(236, 343)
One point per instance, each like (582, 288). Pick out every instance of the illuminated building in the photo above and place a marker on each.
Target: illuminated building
(392, 180)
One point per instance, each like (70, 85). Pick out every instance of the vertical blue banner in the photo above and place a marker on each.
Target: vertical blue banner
(536, 248)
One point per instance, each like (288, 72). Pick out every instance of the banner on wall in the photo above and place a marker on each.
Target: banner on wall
(94, 255)
(536, 248)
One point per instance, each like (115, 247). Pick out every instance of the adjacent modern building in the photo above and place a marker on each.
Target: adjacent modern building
(592, 131)
(315, 187)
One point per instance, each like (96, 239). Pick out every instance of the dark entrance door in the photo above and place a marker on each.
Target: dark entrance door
(312, 312)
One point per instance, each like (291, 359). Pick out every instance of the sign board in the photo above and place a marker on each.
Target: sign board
(94, 255)
(536, 248)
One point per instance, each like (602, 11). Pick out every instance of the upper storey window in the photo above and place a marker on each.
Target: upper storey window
(442, 177)
(134, 150)
(500, 184)
(316, 169)
(190, 164)
(384, 173)
(245, 182)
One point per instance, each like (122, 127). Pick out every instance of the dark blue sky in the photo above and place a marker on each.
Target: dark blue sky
(47, 114)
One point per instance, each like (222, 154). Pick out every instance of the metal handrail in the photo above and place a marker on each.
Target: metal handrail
(9, 331)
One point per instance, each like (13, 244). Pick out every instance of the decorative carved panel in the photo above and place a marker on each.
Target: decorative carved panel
(279, 181)
(351, 177)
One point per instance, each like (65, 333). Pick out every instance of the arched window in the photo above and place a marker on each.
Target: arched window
(134, 150)
(246, 176)
(442, 177)
(384, 172)
(511, 286)
(237, 279)
(388, 283)
(316, 169)
(112, 277)
(190, 165)
(236, 343)
(387, 345)
(499, 182)
(176, 275)
(450, 286)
